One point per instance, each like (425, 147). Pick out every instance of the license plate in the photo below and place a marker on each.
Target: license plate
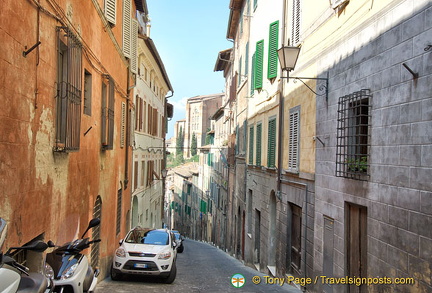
(140, 265)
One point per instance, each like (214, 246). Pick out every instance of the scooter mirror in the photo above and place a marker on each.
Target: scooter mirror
(50, 243)
(94, 222)
(38, 246)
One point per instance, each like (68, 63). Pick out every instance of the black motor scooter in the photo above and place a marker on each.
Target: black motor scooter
(15, 277)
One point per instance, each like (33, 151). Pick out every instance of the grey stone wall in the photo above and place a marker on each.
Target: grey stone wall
(398, 195)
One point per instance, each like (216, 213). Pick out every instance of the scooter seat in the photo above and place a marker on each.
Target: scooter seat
(35, 282)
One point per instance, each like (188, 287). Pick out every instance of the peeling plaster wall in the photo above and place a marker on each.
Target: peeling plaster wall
(48, 192)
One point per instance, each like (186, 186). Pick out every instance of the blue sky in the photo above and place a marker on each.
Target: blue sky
(188, 35)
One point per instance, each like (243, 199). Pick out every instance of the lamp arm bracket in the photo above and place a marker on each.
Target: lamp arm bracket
(322, 89)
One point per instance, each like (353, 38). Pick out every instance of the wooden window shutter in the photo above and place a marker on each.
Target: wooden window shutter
(141, 109)
(144, 109)
(137, 112)
(111, 93)
(251, 141)
(252, 80)
(240, 78)
(127, 26)
(271, 151)
(110, 11)
(272, 68)
(134, 47)
(258, 144)
(123, 125)
(259, 59)
(294, 141)
(135, 174)
(155, 122)
(104, 118)
(149, 119)
(296, 21)
(247, 59)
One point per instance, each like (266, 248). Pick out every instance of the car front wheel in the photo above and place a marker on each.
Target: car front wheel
(115, 274)
(172, 275)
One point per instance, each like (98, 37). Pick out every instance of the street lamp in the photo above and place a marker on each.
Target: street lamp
(288, 56)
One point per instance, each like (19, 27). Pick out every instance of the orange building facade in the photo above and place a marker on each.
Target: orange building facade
(66, 73)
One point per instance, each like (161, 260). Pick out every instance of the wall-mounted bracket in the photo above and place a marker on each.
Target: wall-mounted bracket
(322, 89)
(414, 74)
(25, 53)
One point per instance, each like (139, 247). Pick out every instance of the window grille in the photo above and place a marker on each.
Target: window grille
(87, 92)
(353, 135)
(69, 88)
(108, 115)
(97, 213)
(119, 210)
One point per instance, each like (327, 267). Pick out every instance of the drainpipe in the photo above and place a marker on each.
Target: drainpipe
(280, 152)
(281, 115)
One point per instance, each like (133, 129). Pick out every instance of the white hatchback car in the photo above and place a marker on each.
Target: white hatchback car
(149, 252)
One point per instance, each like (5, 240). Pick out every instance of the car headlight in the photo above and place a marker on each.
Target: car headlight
(49, 272)
(164, 255)
(120, 252)
(69, 272)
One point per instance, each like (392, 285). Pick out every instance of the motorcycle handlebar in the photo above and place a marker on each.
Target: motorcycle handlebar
(21, 268)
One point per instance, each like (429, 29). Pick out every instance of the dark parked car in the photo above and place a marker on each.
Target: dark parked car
(179, 241)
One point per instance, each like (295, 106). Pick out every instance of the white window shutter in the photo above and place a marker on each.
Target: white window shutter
(123, 125)
(337, 3)
(294, 141)
(127, 23)
(134, 47)
(110, 11)
(296, 22)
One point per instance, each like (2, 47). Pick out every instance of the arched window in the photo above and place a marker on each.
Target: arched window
(97, 213)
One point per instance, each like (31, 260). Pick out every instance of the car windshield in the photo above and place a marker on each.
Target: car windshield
(144, 236)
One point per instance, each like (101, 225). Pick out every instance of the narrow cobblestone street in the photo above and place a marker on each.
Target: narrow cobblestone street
(200, 268)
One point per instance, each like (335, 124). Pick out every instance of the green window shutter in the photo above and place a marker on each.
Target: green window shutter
(259, 60)
(271, 151)
(272, 68)
(251, 141)
(258, 144)
(252, 80)
(255, 4)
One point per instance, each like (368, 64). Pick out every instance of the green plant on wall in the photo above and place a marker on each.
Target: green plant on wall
(357, 165)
